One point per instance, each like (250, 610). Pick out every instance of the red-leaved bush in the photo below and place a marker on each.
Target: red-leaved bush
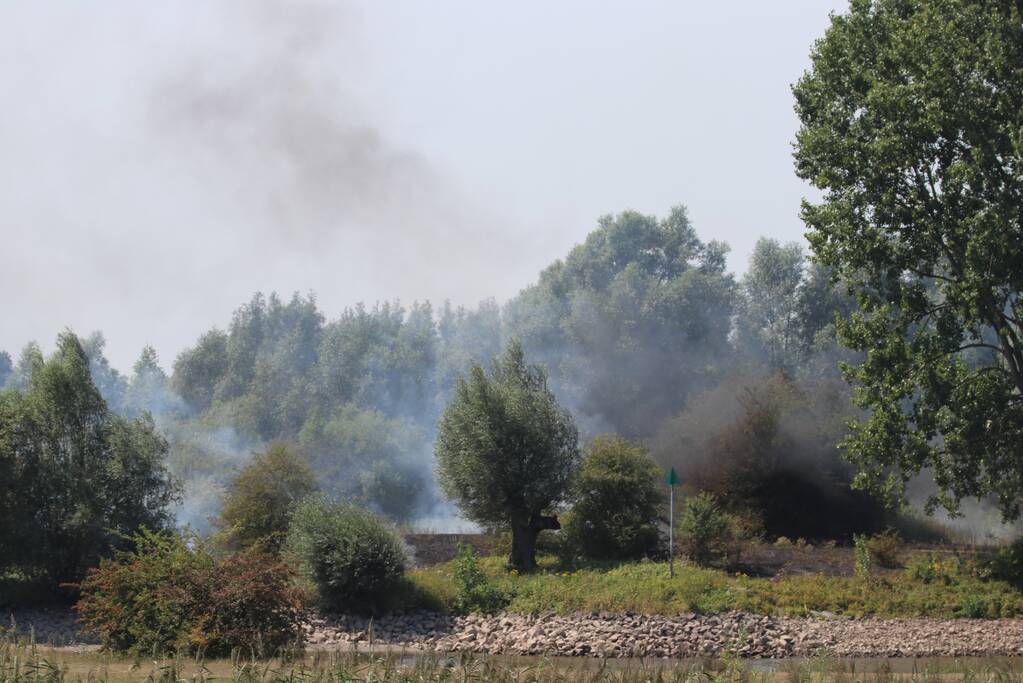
(170, 595)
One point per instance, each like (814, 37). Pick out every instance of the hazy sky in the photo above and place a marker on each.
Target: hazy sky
(160, 162)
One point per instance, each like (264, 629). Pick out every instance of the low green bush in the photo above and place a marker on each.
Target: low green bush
(350, 555)
(476, 593)
(170, 595)
(1007, 563)
(618, 503)
(861, 556)
(259, 499)
(933, 568)
(703, 530)
(973, 606)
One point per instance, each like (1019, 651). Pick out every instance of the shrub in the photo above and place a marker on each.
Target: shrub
(1007, 563)
(973, 606)
(886, 549)
(170, 595)
(618, 503)
(861, 555)
(475, 591)
(260, 498)
(703, 530)
(932, 568)
(352, 556)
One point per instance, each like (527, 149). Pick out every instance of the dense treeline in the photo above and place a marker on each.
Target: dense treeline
(633, 325)
(74, 477)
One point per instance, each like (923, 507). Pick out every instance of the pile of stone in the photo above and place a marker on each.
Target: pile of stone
(689, 635)
(594, 635)
(623, 635)
(872, 637)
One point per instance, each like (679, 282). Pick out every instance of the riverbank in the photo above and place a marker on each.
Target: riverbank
(612, 635)
(684, 636)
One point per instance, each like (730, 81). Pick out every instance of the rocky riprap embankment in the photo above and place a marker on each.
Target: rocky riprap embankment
(616, 635)
(603, 635)
(627, 635)
(871, 637)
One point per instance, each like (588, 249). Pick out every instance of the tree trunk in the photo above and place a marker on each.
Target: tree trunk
(525, 530)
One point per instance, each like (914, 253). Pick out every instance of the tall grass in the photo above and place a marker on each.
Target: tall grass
(645, 587)
(22, 662)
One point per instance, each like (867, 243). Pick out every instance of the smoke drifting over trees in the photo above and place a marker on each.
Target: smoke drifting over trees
(642, 329)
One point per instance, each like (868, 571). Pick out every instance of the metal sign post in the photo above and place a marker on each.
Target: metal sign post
(672, 483)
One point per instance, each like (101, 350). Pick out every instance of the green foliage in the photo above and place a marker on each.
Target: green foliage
(110, 383)
(170, 595)
(199, 370)
(92, 476)
(767, 321)
(645, 587)
(786, 311)
(885, 549)
(506, 451)
(933, 568)
(631, 320)
(29, 360)
(356, 394)
(351, 556)
(475, 592)
(973, 606)
(1007, 563)
(369, 458)
(703, 530)
(861, 555)
(147, 391)
(260, 498)
(619, 502)
(6, 368)
(910, 127)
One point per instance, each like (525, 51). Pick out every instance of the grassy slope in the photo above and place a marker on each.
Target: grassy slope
(645, 587)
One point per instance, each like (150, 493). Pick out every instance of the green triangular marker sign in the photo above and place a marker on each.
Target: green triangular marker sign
(672, 477)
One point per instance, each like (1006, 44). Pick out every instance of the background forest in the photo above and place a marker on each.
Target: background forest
(732, 380)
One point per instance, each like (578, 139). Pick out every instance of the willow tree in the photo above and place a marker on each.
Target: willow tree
(912, 128)
(506, 451)
(83, 478)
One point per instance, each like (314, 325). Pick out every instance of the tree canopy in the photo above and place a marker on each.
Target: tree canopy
(91, 476)
(506, 451)
(631, 325)
(632, 321)
(262, 495)
(911, 126)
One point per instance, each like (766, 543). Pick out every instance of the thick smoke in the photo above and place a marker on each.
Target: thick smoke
(212, 150)
(276, 129)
